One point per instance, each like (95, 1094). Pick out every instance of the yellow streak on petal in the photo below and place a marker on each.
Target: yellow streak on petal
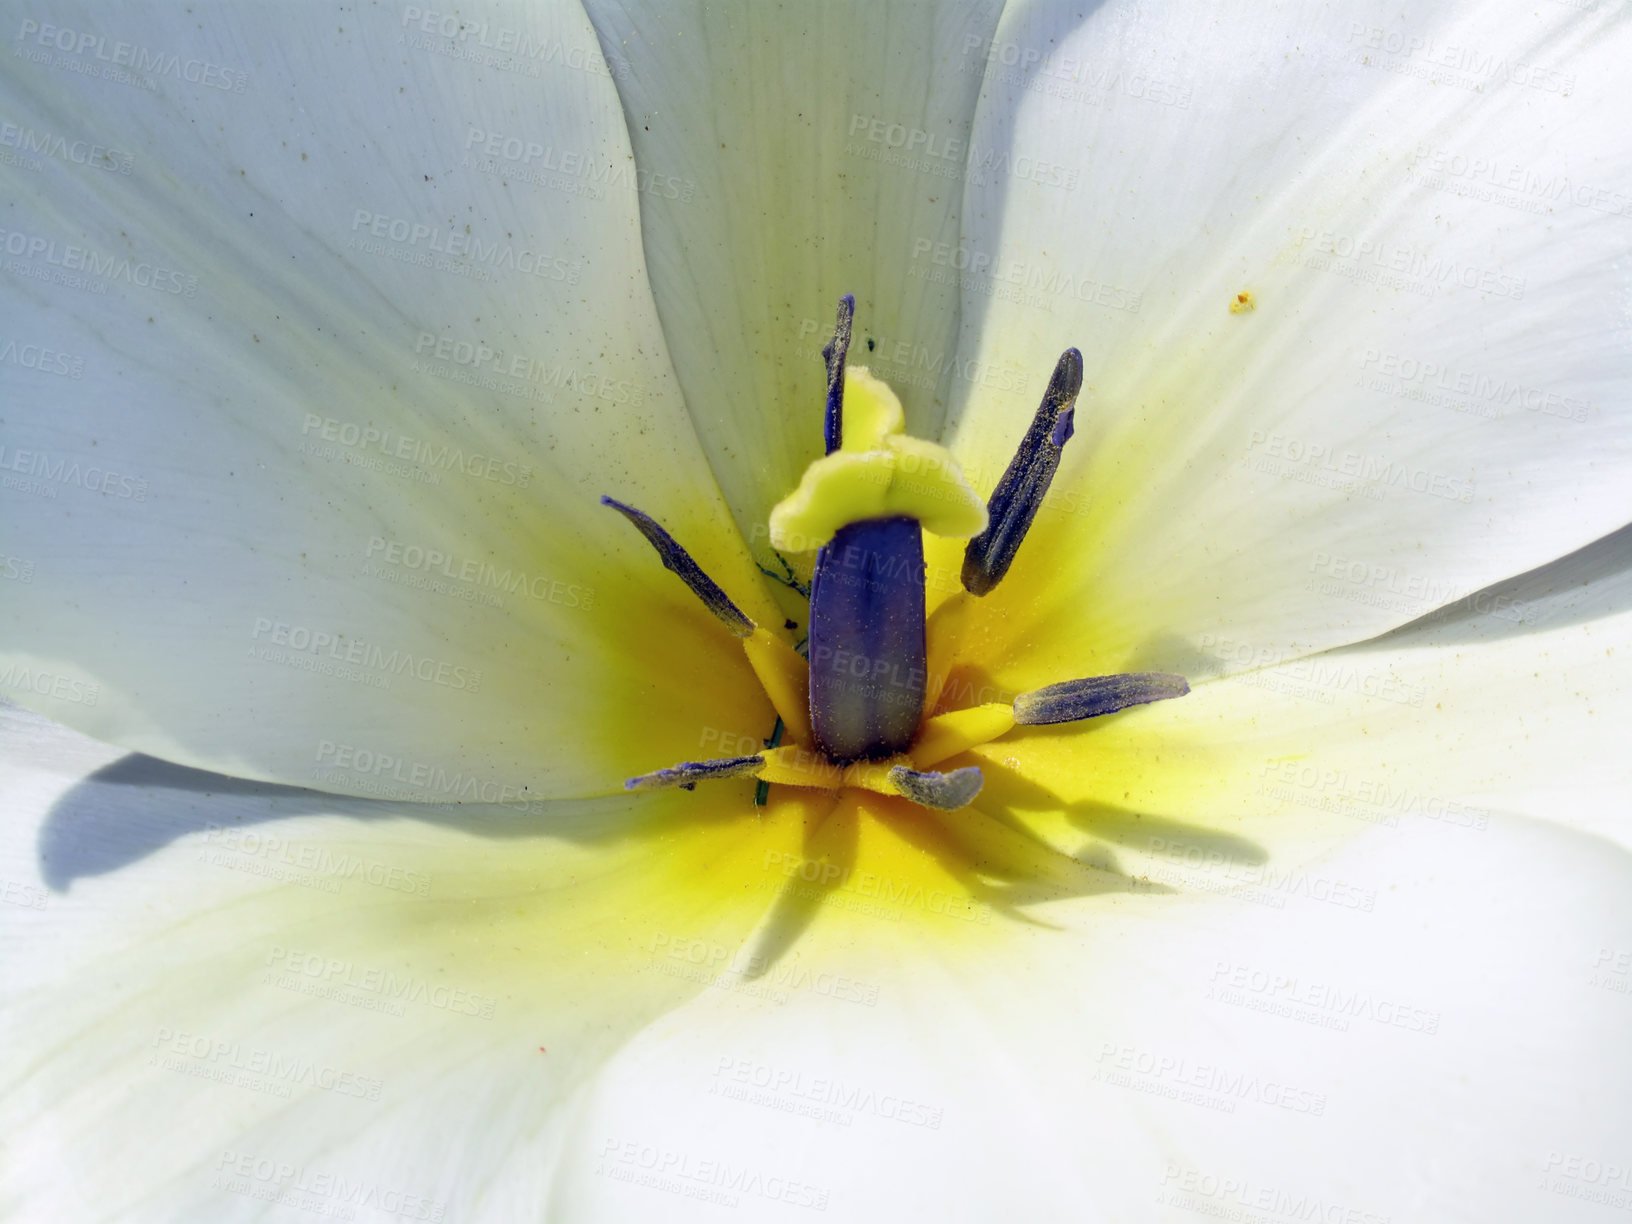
(786, 679)
(946, 735)
(798, 766)
(875, 775)
(943, 633)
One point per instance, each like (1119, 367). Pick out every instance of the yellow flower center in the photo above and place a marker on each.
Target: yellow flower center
(869, 715)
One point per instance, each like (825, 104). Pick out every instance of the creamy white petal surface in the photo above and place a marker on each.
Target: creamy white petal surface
(1424, 1023)
(797, 152)
(323, 336)
(1423, 1027)
(400, 1002)
(1430, 212)
(312, 1002)
(1306, 943)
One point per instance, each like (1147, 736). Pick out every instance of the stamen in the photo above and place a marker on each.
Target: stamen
(687, 774)
(791, 765)
(812, 770)
(678, 561)
(945, 792)
(1074, 700)
(785, 677)
(762, 788)
(948, 734)
(834, 353)
(1015, 501)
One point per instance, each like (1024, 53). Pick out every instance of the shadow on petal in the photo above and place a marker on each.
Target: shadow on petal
(1146, 832)
(1033, 24)
(997, 859)
(829, 859)
(138, 805)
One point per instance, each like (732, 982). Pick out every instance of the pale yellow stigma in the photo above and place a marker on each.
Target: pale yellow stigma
(877, 472)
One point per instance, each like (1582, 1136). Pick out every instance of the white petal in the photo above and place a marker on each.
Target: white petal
(796, 153)
(1453, 1050)
(1431, 212)
(1514, 701)
(314, 369)
(207, 981)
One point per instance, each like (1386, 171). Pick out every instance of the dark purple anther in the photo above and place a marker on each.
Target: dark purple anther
(867, 665)
(1094, 696)
(1014, 503)
(833, 353)
(687, 774)
(678, 562)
